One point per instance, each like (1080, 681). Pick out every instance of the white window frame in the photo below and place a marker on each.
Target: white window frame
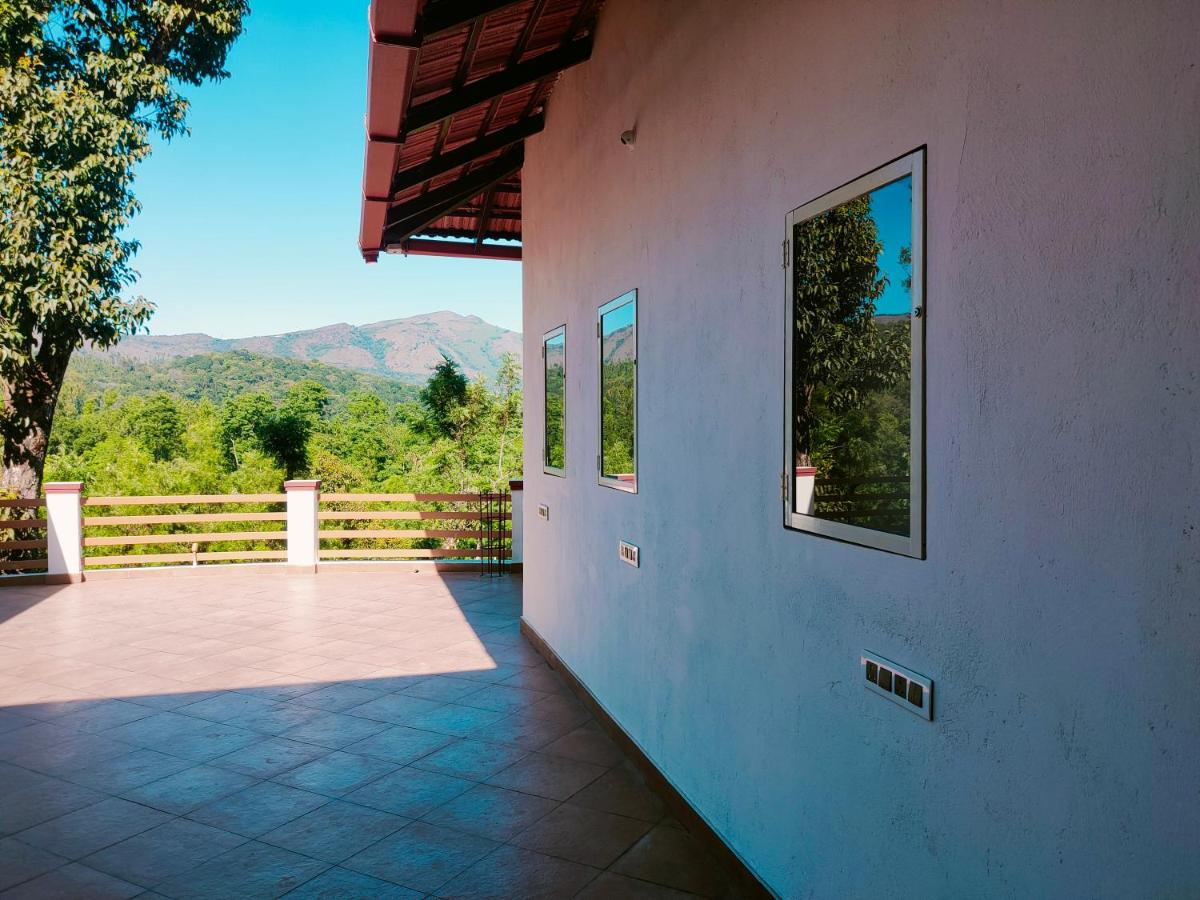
(557, 471)
(601, 479)
(913, 544)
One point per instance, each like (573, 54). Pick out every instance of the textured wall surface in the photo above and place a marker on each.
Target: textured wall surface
(1059, 607)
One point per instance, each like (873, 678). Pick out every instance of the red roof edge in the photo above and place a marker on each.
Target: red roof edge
(391, 62)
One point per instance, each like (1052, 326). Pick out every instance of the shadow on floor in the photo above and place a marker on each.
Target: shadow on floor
(338, 735)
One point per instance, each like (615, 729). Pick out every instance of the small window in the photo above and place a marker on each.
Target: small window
(554, 364)
(855, 264)
(617, 333)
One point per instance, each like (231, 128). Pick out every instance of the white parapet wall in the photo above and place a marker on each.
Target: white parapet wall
(303, 502)
(64, 532)
(518, 521)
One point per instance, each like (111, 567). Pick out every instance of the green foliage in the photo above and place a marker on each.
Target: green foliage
(144, 441)
(618, 412)
(158, 426)
(443, 396)
(83, 85)
(841, 356)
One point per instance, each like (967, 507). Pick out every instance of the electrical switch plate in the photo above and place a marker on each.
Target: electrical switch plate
(628, 553)
(543, 512)
(902, 686)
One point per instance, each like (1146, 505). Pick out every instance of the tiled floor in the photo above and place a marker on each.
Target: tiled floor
(240, 735)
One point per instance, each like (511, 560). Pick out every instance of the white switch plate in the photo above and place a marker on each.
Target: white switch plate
(877, 671)
(543, 512)
(628, 553)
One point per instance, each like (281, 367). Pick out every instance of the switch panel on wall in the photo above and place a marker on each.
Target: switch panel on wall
(628, 553)
(544, 512)
(902, 686)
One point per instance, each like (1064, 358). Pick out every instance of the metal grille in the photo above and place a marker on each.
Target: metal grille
(493, 519)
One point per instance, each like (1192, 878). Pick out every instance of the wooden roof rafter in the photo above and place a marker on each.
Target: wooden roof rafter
(454, 89)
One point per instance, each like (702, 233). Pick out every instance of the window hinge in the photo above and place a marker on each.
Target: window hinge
(786, 243)
(783, 486)
(598, 468)
(597, 329)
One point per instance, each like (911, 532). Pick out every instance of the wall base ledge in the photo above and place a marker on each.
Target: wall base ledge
(742, 879)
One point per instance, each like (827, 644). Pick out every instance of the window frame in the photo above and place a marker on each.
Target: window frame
(913, 544)
(557, 471)
(630, 296)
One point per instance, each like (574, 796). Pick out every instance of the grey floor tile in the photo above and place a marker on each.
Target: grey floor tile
(491, 812)
(251, 871)
(336, 774)
(167, 850)
(342, 884)
(184, 791)
(335, 831)
(258, 809)
(512, 872)
(467, 758)
(555, 777)
(410, 792)
(270, 757)
(87, 830)
(73, 882)
(20, 862)
(420, 856)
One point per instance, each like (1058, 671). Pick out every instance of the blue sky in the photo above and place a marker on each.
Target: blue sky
(250, 224)
(891, 206)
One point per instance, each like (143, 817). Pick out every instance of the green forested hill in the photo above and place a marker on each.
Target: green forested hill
(243, 422)
(219, 376)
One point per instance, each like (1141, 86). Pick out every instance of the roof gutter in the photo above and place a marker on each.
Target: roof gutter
(391, 63)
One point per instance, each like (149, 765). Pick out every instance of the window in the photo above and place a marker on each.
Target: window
(554, 367)
(855, 265)
(617, 333)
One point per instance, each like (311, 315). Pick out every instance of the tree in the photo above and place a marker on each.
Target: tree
(83, 85)
(443, 395)
(839, 353)
(158, 426)
(508, 380)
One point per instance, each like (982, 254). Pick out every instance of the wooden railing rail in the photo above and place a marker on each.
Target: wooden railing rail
(301, 526)
(114, 539)
(21, 551)
(375, 540)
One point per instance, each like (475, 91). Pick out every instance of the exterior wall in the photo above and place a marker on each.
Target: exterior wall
(1057, 609)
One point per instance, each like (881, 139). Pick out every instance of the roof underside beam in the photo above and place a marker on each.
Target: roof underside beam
(460, 156)
(406, 219)
(433, 111)
(451, 14)
(461, 249)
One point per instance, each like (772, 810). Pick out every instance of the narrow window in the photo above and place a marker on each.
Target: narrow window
(617, 332)
(855, 264)
(554, 363)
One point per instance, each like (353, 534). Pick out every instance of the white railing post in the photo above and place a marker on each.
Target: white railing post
(64, 532)
(518, 536)
(303, 501)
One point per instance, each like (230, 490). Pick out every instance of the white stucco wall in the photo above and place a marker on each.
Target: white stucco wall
(1059, 607)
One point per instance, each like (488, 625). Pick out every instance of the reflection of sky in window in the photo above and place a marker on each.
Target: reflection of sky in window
(891, 205)
(621, 317)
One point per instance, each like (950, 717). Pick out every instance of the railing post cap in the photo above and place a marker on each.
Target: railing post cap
(63, 487)
(303, 484)
(516, 485)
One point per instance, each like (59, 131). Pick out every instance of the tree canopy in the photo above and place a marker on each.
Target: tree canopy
(84, 84)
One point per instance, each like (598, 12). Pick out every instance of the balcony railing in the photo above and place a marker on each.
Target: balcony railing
(301, 527)
(22, 536)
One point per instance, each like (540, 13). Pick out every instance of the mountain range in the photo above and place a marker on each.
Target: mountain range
(403, 349)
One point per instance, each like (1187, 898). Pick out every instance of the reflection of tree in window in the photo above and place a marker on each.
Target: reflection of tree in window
(555, 400)
(851, 362)
(618, 392)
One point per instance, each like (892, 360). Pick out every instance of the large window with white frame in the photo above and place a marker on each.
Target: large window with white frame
(616, 335)
(554, 381)
(854, 401)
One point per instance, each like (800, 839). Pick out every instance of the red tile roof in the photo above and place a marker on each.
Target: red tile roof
(453, 88)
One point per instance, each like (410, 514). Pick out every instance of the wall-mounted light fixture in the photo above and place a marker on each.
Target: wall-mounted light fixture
(628, 137)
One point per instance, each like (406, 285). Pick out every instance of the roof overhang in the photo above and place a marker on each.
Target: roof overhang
(454, 87)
